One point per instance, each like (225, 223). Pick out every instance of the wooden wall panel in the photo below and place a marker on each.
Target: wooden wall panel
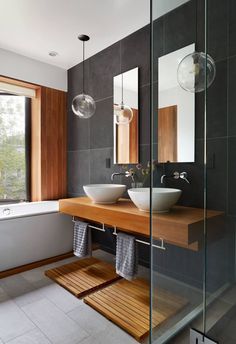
(133, 141)
(36, 147)
(167, 134)
(53, 144)
(48, 146)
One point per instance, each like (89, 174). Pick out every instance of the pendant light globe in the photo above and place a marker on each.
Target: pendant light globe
(196, 71)
(83, 105)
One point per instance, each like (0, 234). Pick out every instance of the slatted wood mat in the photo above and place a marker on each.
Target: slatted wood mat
(83, 276)
(127, 305)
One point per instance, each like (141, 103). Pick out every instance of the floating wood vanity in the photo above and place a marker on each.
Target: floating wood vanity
(182, 226)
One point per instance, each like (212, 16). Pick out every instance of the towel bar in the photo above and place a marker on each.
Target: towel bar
(103, 229)
(161, 247)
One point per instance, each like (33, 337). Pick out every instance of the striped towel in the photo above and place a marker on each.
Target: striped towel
(82, 245)
(126, 256)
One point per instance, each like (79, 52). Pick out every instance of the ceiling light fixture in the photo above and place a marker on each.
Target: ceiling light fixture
(52, 53)
(83, 105)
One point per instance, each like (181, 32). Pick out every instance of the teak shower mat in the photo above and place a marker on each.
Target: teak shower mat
(83, 276)
(127, 305)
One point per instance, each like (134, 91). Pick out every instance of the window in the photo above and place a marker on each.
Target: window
(14, 147)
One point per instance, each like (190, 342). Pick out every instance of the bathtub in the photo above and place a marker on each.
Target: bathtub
(30, 232)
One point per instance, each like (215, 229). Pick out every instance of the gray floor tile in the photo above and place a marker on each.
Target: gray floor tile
(61, 297)
(55, 324)
(3, 295)
(32, 296)
(91, 321)
(16, 286)
(13, 322)
(46, 288)
(112, 335)
(35, 275)
(32, 337)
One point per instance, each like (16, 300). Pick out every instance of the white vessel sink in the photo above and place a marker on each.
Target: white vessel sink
(104, 193)
(162, 198)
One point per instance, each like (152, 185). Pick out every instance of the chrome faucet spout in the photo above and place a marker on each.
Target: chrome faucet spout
(176, 175)
(126, 174)
(162, 178)
(116, 174)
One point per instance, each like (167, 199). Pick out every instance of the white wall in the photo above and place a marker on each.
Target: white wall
(30, 70)
(185, 102)
(130, 97)
(161, 7)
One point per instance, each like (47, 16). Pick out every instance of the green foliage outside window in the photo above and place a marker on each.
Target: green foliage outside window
(12, 148)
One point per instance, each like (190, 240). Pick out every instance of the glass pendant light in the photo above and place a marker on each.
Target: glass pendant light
(192, 71)
(123, 113)
(83, 105)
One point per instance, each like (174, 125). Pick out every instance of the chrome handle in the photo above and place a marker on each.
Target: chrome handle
(184, 176)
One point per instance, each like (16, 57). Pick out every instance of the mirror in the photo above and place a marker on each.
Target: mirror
(126, 138)
(176, 112)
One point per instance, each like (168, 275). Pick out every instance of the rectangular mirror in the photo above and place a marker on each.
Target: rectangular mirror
(126, 137)
(176, 112)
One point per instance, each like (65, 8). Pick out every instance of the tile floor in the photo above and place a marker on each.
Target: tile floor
(35, 310)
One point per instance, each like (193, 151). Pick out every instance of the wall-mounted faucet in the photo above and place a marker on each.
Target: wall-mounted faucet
(176, 175)
(126, 174)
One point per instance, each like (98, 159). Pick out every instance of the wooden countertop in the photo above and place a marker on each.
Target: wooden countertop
(182, 226)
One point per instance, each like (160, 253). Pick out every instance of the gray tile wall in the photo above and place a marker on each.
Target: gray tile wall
(90, 142)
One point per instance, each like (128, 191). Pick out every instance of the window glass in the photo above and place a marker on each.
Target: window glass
(13, 183)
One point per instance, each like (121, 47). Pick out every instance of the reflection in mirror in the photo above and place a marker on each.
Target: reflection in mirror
(176, 113)
(126, 140)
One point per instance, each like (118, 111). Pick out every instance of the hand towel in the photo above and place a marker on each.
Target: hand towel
(126, 256)
(82, 245)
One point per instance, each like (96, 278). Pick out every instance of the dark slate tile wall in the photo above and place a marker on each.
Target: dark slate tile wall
(90, 142)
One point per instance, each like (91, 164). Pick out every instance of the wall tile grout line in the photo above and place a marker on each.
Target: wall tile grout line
(102, 99)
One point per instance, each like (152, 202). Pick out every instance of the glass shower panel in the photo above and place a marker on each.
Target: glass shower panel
(177, 137)
(221, 171)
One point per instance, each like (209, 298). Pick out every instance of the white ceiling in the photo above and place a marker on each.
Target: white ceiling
(33, 28)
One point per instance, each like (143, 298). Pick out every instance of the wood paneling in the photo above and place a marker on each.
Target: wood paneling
(127, 304)
(182, 226)
(133, 138)
(53, 143)
(36, 147)
(123, 142)
(127, 141)
(49, 137)
(167, 134)
(84, 276)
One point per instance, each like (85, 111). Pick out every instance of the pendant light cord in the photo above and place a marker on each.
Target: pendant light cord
(83, 66)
